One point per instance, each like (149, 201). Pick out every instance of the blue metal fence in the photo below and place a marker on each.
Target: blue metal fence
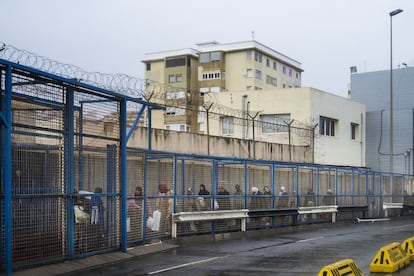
(70, 187)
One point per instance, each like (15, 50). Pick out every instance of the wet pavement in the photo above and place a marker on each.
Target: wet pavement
(285, 251)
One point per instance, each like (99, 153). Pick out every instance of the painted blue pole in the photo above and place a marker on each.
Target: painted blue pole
(81, 163)
(246, 189)
(69, 159)
(175, 183)
(144, 228)
(123, 172)
(272, 183)
(7, 182)
(135, 123)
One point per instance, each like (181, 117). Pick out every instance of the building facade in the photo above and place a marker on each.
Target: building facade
(180, 78)
(336, 135)
(373, 89)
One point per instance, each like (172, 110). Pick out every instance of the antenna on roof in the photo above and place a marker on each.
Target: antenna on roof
(252, 35)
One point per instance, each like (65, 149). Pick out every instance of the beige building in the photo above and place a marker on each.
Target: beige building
(180, 78)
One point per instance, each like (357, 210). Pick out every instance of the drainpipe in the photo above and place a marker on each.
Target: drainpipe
(244, 97)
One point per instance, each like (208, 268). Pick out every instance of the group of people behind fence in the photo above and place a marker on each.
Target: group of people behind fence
(159, 216)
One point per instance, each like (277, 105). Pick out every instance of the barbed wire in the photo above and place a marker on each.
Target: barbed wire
(151, 91)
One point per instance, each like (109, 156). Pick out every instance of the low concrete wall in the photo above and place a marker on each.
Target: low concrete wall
(183, 142)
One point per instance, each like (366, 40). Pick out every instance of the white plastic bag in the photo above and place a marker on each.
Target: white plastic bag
(150, 222)
(216, 205)
(128, 224)
(156, 216)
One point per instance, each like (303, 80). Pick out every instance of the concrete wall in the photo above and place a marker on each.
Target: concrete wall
(188, 143)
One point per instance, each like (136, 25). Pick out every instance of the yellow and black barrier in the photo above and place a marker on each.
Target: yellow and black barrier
(345, 267)
(390, 258)
(408, 246)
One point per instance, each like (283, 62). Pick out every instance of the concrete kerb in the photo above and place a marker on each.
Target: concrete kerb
(72, 266)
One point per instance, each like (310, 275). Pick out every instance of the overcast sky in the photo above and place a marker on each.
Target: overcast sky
(326, 36)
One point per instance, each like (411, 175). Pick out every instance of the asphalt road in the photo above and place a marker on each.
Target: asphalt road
(286, 251)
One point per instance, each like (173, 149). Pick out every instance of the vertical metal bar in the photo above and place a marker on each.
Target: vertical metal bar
(6, 152)
(272, 182)
(297, 188)
(69, 170)
(246, 190)
(123, 173)
(182, 178)
(110, 189)
(81, 164)
(174, 183)
(214, 182)
(143, 224)
(135, 123)
(352, 186)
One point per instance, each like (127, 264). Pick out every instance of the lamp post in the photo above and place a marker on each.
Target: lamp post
(395, 12)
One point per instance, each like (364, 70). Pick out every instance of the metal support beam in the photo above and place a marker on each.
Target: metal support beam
(6, 161)
(123, 173)
(135, 123)
(69, 170)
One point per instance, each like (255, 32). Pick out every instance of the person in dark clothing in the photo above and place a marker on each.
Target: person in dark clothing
(205, 194)
(223, 202)
(203, 190)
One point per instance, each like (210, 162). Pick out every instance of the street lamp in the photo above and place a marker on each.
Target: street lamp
(395, 12)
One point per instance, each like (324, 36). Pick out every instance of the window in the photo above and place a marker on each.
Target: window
(297, 75)
(179, 78)
(182, 127)
(249, 54)
(181, 94)
(208, 57)
(274, 123)
(274, 65)
(267, 62)
(215, 89)
(271, 80)
(354, 131)
(174, 111)
(227, 125)
(170, 111)
(211, 76)
(284, 69)
(204, 57)
(170, 95)
(215, 56)
(249, 73)
(268, 79)
(204, 90)
(258, 74)
(327, 126)
(148, 66)
(174, 62)
(290, 72)
(258, 57)
(171, 79)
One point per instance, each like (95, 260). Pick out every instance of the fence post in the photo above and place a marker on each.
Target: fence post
(6, 155)
(123, 172)
(69, 170)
